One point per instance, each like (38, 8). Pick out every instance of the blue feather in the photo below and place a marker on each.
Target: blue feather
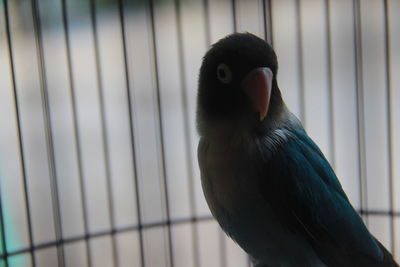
(307, 196)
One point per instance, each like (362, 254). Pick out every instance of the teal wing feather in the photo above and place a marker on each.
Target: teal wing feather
(308, 198)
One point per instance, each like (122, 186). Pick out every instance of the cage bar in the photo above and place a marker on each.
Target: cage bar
(300, 66)
(48, 130)
(360, 107)
(131, 131)
(161, 138)
(76, 127)
(19, 132)
(389, 124)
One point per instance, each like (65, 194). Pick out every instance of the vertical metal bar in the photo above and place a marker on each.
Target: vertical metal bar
(300, 65)
(188, 143)
(131, 131)
(360, 107)
(110, 197)
(48, 132)
(234, 15)
(161, 131)
(270, 23)
(389, 125)
(267, 19)
(264, 12)
(207, 22)
(3, 252)
(2, 231)
(78, 149)
(331, 113)
(19, 133)
(222, 248)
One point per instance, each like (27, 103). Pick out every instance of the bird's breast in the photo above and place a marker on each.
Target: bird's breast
(225, 174)
(229, 179)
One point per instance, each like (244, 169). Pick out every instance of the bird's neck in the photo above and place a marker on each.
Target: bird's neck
(278, 113)
(244, 127)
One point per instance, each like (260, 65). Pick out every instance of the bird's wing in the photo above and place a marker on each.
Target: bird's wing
(309, 199)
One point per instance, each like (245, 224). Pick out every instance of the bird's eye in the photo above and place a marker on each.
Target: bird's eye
(224, 73)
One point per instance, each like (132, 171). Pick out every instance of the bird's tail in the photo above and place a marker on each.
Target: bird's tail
(387, 258)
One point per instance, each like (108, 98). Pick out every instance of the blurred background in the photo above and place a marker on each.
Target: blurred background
(98, 162)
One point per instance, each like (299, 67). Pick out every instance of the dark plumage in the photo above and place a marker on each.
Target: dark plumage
(266, 182)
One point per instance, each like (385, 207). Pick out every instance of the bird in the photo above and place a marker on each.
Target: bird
(266, 182)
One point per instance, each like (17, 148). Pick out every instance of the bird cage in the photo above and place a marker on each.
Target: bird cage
(98, 163)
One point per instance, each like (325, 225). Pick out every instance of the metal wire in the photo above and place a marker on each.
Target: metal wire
(19, 134)
(300, 63)
(136, 227)
(206, 13)
(129, 228)
(64, 12)
(188, 143)
(389, 123)
(360, 106)
(161, 133)
(131, 132)
(110, 197)
(48, 130)
(331, 112)
(2, 230)
(267, 21)
(222, 249)
(234, 15)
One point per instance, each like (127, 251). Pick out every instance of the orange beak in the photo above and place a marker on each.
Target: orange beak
(258, 85)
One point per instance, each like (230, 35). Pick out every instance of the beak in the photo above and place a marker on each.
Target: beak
(258, 85)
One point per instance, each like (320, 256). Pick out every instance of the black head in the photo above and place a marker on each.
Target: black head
(221, 97)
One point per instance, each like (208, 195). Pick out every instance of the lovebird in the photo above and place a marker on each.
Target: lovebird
(266, 182)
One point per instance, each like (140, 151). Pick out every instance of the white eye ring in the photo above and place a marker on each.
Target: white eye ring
(224, 73)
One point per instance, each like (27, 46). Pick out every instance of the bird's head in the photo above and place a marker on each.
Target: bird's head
(237, 83)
